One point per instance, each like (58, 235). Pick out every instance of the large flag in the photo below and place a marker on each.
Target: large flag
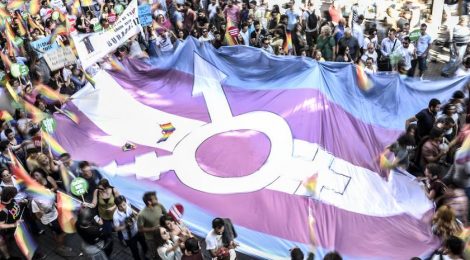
(25, 241)
(263, 141)
(66, 206)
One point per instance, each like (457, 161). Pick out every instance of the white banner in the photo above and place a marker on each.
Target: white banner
(92, 47)
(60, 58)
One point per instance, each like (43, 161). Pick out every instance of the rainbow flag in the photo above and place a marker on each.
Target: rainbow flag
(34, 7)
(72, 116)
(230, 32)
(49, 93)
(12, 92)
(56, 148)
(384, 162)
(463, 154)
(167, 131)
(33, 188)
(4, 13)
(76, 7)
(465, 236)
(311, 184)
(36, 114)
(21, 26)
(362, 79)
(15, 4)
(5, 115)
(59, 30)
(115, 64)
(65, 207)
(64, 174)
(25, 241)
(287, 45)
(90, 79)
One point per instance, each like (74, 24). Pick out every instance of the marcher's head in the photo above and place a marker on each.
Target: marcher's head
(370, 48)
(9, 134)
(454, 246)
(218, 225)
(5, 174)
(191, 246)
(103, 184)
(347, 33)
(433, 171)
(296, 254)
(43, 160)
(445, 214)
(436, 134)
(161, 236)
(66, 159)
(360, 19)
(391, 33)
(423, 28)
(167, 222)
(150, 198)
(434, 105)
(8, 193)
(405, 140)
(38, 174)
(317, 55)
(326, 30)
(406, 42)
(121, 203)
(333, 256)
(86, 170)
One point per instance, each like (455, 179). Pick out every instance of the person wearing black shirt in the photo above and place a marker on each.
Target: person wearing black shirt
(9, 218)
(92, 176)
(425, 119)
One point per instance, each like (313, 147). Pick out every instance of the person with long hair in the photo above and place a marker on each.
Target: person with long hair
(166, 248)
(445, 224)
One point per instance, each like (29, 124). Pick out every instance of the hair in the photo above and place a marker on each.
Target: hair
(434, 169)
(326, 29)
(455, 245)
(8, 131)
(119, 199)
(411, 127)
(405, 140)
(444, 222)
(372, 30)
(192, 245)
(217, 223)
(370, 59)
(105, 183)
(83, 164)
(163, 220)
(148, 196)
(435, 132)
(333, 256)
(296, 254)
(33, 131)
(65, 156)
(4, 145)
(40, 171)
(458, 94)
(342, 50)
(406, 38)
(434, 102)
(8, 193)
(347, 30)
(159, 241)
(424, 25)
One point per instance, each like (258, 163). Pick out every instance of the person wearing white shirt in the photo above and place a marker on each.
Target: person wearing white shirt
(409, 55)
(358, 31)
(390, 44)
(266, 46)
(206, 36)
(214, 243)
(212, 9)
(422, 49)
(245, 34)
(164, 42)
(124, 220)
(166, 248)
(370, 68)
(371, 38)
(370, 53)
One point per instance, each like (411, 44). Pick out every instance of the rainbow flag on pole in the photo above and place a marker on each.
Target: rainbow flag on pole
(34, 7)
(65, 206)
(49, 93)
(287, 43)
(25, 241)
(231, 33)
(463, 154)
(36, 114)
(56, 148)
(5, 115)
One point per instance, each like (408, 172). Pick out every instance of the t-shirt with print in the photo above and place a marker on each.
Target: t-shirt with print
(213, 241)
(10, 214)
(47, 208)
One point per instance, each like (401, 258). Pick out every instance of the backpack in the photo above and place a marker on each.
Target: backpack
(312, 20)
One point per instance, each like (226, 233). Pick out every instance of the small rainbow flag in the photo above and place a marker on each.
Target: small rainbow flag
(9, 33)
(167, 131)
(5, 115)
(384, 162)
(21, 26)
(362, 79)
(72, 116)
(65, 207)
(33, 24)
(115, 65)
(59, 30)
(463, 154)
(76, 7)
(287, 45)
(34, 6)
(56, 148)
(64, 174)
(15, 4)
(33, 188)
(90, 79)
(465, 236)
(12, 92)
(311, 184)
(36, 114)
(49, 93)
(25, 241)
(4, 13)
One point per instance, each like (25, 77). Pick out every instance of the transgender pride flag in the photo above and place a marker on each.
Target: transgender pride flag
(250, 128)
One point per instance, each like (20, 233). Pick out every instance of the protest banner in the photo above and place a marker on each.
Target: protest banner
(60, 58)
(145, 15)
(92, 47)
(44, 45)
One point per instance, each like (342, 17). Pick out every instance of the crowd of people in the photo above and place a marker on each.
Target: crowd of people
(343, 32)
